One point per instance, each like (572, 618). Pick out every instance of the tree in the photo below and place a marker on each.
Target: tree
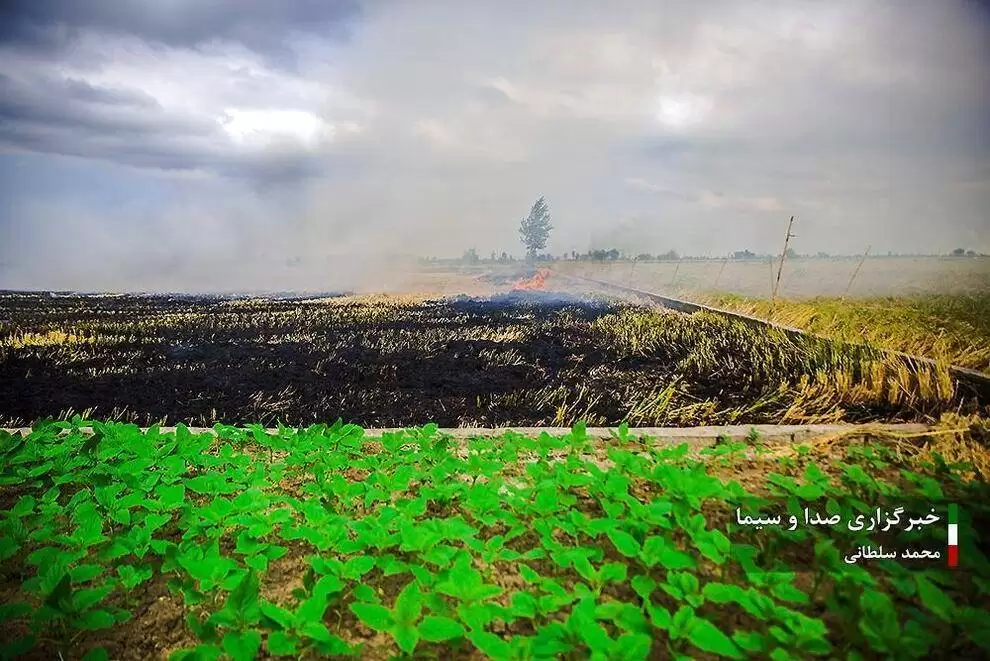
(535, 228)
(959, 252)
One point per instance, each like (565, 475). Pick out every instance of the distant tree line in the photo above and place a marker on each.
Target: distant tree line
(535, 228)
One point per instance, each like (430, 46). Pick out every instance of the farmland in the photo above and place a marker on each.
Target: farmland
(953, 329)
(801, 278)
(516, 358)
(316, 542)
(280, 534)
(932, 307)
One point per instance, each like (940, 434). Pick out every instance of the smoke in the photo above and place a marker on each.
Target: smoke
(432, 127)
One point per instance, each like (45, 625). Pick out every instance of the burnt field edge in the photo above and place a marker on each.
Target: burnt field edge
(978, 381)
(511, 359)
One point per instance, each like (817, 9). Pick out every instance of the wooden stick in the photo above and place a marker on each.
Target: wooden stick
(855, 273)
(783, 256)
(719, 276)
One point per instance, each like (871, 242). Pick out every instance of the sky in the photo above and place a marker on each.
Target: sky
(237, 144)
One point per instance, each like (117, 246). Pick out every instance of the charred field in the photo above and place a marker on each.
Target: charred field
(519, 358)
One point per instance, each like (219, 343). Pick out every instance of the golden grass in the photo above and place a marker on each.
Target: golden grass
(795, 381)
(45, 339)
(951, 329)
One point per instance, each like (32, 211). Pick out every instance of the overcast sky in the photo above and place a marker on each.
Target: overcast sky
(206, 143)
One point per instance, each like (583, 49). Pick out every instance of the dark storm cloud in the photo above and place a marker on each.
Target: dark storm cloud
(261, 25)
(72, 117)
(83, 91)
(75, 105)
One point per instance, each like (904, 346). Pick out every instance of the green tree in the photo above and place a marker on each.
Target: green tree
(535, 228)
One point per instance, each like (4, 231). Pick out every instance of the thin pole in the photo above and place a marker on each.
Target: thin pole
(674, 277)
(631, 269)
(719, 276)
(783, 255)
(855, 273)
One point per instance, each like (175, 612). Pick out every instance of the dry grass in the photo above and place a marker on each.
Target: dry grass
(813, 381)
(48, 338)
(951, 329)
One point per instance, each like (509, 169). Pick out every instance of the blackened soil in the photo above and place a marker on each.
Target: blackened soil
(523, 358)
(202, 360)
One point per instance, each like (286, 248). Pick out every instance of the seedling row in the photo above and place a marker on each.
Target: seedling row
(318, 542)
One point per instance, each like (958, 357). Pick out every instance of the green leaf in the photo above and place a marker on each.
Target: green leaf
(633, 647)
(934, 599)
(171, 496)
(490, 644)
(810, 492)
(14, 610)
(643, 586)
(316, 631)
(406, 637)
(660, 617)
(58, 587)
(358, 566)
(242, 646)
(280, 616)
(656, 550)
(437, 629)
(365, 593)
(131, 577)
(88, 597)
(199, 653)
(594, 635)
(524, 604)
(681, 622)
(24, 506)
(880, 626)
(788, 592)
(672, 559)
(84, 573)
(528, 574)
(374, 616)
(612, 572)
(723, 593)
(706, 636)
(750, 641)
(243, 600)
(408, 605)
(280, 643)
(98, 619)
(328, 585)
(8, 547)
(624, 543)
(121, 516)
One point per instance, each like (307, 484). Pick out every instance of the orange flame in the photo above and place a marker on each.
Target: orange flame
(537, 282)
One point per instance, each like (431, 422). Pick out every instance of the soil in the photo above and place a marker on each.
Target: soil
(516, 358)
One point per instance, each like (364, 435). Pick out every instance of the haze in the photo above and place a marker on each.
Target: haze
(209, 145)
